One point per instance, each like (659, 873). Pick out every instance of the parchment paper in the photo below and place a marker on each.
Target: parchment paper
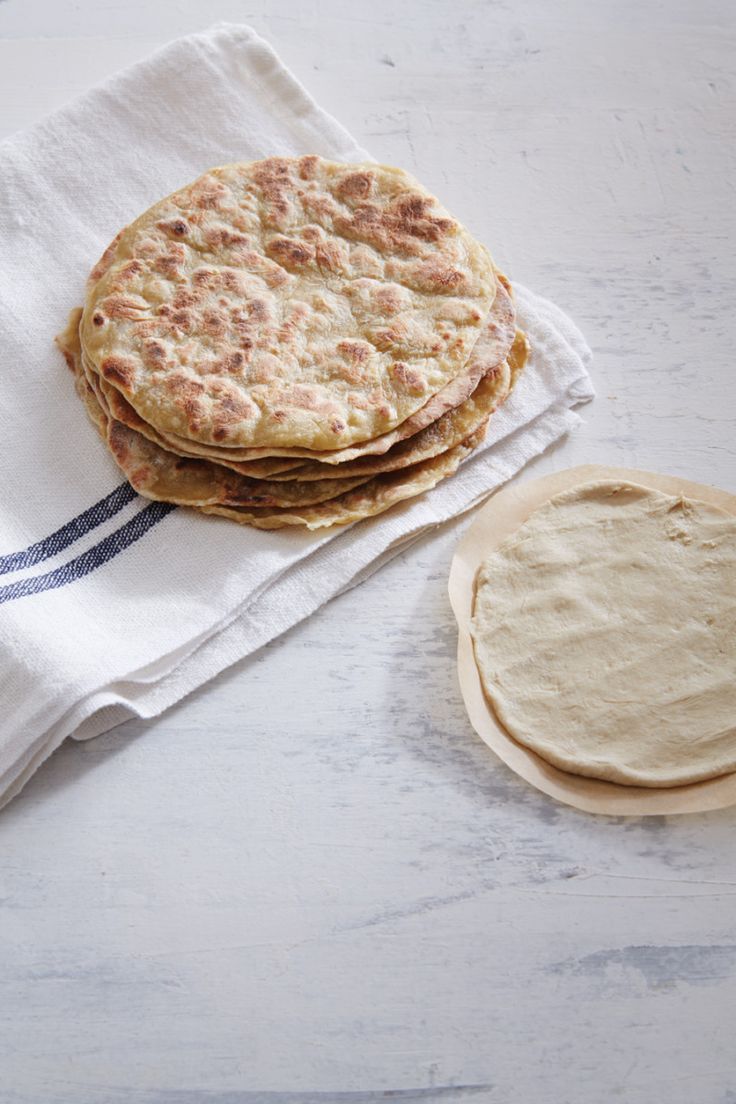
(502, 514)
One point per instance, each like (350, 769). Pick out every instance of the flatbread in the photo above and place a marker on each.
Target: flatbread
(163, 476)
(491, 348)
(115, 405)
(288, 302)
(68, 343)
(604, 631)
(517, 357)
(371, 498)
(118, 407)
(449, 430)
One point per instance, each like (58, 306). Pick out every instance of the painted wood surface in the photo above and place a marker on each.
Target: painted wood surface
(311, 881)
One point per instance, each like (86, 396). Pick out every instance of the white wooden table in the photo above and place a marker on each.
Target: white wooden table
(311, 882)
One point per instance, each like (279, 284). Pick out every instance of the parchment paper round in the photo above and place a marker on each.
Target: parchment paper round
(501, 516)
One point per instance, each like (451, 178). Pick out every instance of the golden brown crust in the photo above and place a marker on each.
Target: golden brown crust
(158, 474)
(161, 475)
(294, 342)
(323, 253)
(490, 350)
(371, 498)
(451, 429)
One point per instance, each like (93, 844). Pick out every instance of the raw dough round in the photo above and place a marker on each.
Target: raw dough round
(605, 635)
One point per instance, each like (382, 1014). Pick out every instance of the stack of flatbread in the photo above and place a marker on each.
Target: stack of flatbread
(294, 342)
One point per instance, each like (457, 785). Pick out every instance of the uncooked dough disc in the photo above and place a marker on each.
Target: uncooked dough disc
(605, 635)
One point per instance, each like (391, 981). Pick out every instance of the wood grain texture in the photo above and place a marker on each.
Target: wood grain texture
(311, 881)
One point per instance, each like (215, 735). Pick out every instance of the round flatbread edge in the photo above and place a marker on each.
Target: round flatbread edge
(505, 512)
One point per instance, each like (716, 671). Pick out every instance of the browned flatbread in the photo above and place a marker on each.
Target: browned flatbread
(449, 430)
(118, 407)
(291, 302)
(161, 475)
(371, 498)
(158, 474)
(490, 350)
(294, 342)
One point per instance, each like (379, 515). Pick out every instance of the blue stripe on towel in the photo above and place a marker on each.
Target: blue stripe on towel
(94, 557)
(43, 550)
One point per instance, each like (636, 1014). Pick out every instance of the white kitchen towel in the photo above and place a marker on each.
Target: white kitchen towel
(112, 606)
